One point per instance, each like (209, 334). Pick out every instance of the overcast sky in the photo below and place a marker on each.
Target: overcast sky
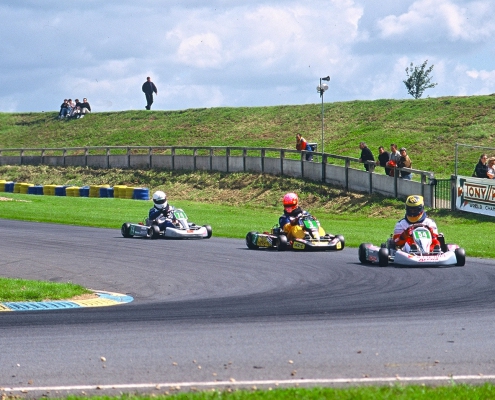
(235, 53)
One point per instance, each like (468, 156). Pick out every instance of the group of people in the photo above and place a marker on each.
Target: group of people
(290, 221)
(74, 108)
(485, 167)
(387, 160)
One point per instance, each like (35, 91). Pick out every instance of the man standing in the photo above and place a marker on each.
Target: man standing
(302, 144)
(366, 155)
(148, 89)
(404, 162)
(383, 159)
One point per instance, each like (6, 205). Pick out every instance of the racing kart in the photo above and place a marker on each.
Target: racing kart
(417, 252)
(178, 227)
(312, 240)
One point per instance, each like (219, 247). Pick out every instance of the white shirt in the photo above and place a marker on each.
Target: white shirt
(403, 224)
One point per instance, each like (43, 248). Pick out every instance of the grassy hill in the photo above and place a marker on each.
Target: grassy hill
(429, 128)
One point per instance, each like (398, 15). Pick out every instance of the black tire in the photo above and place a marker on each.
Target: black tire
(249, 241)
(125, 230)
(383, 257)
(362, 253)
(342, 241)
(155, 231)
(282, 243)
(209, 231)
(460, 255)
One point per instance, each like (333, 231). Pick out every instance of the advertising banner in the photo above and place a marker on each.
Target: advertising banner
(476, 195)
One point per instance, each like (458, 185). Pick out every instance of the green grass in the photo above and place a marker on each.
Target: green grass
(429, 128)
(396, 392)
(30, 290)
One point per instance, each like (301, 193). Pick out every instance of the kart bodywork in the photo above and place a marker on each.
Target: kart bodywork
(312, 240)
(416, 254)
(178, 228)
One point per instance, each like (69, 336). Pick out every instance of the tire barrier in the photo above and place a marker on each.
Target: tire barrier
(84, 191)
(60, 191)
(101, 191)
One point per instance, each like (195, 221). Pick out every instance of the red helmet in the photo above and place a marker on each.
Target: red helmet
(291, 201)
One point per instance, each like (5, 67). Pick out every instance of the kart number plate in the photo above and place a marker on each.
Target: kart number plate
(338, 246)
(298, 245)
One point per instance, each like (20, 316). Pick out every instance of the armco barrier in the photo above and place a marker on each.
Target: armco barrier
(346, 172)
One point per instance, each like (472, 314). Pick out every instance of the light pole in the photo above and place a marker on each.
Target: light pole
(321, 89)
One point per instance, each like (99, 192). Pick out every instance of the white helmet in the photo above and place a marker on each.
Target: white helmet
(160, 199)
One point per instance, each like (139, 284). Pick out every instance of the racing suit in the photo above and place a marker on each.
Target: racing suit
(402, 233)
(167, 212)
(292, 226)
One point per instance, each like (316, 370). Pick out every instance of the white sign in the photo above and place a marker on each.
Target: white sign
(476, 195)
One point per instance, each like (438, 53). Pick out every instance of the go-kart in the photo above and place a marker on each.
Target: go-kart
(178, 227)
(418, 251)
(312, 240)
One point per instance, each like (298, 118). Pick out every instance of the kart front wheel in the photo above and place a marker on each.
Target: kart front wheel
(362, 253)
(249, 241)
(209, 231)
(282, 243)
(460, 255)
(153, 232)
(383, 257)
(125, 230)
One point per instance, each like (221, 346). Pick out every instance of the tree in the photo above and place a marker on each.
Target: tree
(418, 80)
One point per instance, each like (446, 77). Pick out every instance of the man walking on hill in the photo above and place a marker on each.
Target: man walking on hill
(148, 89)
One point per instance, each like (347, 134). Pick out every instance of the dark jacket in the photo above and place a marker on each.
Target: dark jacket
(366, 155)
(85, 105)
(149, 87)
(480, 170)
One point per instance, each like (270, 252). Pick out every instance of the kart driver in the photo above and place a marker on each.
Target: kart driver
(415, 214)
(289, 222)
(161, 207)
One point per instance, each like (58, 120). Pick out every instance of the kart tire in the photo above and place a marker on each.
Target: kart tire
(282, 243)
(208, 231)
(249, 241)
(362, 253)
(342, 241)
(460, 255)
(125, 230)
(155, 231)
(383, 257)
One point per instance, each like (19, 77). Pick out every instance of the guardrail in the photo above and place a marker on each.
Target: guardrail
(328, 168)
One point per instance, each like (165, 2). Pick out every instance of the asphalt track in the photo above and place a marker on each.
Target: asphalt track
(211, 313)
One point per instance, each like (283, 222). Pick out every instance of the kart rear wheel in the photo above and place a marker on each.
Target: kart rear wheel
(125, 230)
(209, 231)
(342, 241)
(249, 241)
(460, 255)
(362, 253)
(282, 243)
(383, 257)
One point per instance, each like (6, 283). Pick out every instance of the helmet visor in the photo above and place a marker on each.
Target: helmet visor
(290, 208)
(414, 211)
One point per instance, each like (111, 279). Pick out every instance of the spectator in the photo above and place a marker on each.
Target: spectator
(64, 109)
(366, 155)
(404, 162)
(394, 153)
(302, 144)
(84, 108)
(481, 169)
(76, 109)
(383, 159)
(72, 105)
(148, 89)
(490, 173)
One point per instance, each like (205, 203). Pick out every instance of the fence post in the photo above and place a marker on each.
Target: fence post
(227, 157)
(150, 157)
(173, 158)
(211, 159)
(282, 156)
(371, 168)
(63, 155)
(396, 177)
(453, 192)
(108, 157)
(244, 154)
(263, 161)
(195, 153)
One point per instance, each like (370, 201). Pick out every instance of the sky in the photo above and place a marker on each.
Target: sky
(233, 53)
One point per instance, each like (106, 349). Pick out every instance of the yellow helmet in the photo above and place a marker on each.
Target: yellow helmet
(415, 208)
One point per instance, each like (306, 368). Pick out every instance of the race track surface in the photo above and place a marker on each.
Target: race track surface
(211, 313)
